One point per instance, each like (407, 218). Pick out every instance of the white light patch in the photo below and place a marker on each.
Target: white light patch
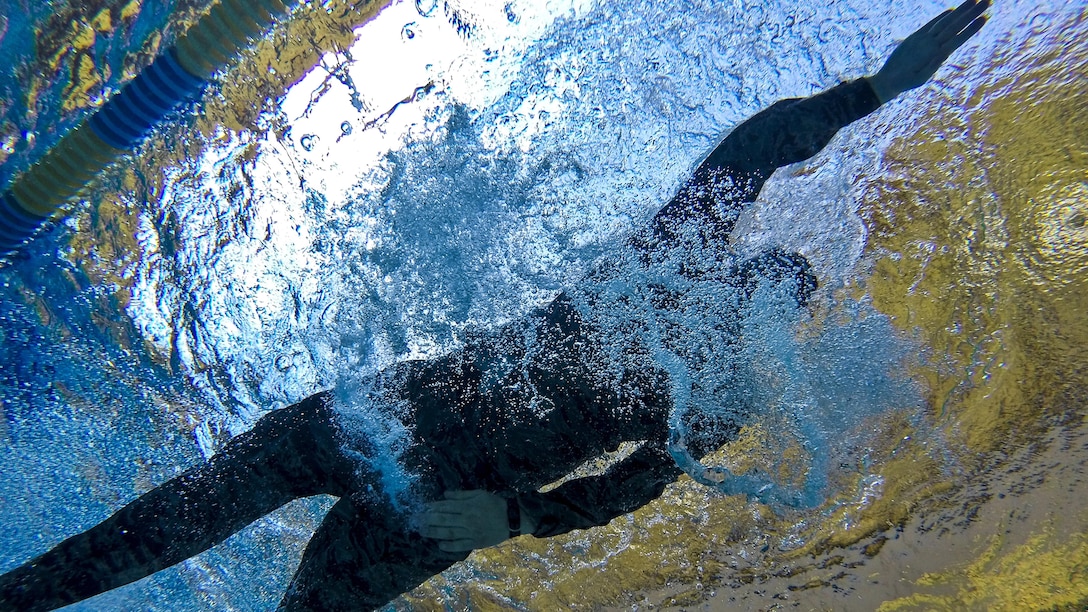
(254, 288)
(355, 106)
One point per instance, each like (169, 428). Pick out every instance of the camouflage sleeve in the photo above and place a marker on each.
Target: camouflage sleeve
(593, 501)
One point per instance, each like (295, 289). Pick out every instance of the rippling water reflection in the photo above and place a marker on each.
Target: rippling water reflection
(223, 264)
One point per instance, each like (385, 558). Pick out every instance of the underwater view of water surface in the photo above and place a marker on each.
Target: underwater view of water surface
(373, 183)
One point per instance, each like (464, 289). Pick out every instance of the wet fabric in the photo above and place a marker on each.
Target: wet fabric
(508, 413)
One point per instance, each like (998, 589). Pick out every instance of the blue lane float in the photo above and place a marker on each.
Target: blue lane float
(176, 77)
(127, 118)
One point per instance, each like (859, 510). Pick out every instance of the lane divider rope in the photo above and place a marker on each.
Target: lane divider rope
(175, 78)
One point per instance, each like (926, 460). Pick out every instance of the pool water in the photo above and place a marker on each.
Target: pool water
(447, 167)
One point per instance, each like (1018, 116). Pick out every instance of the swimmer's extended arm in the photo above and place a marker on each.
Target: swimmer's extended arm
(733, 174)
(593, 501)
(793, 130)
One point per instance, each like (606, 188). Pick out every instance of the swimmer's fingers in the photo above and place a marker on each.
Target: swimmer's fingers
(436, 516)
(448, 528)
(456, 546)
(465, 520)
(918, 57)
(447, 533)
(957, 41)
(951, 25)
(932, 43)
(934, 24)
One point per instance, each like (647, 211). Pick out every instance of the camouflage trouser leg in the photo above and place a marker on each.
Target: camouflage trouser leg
(289, 453)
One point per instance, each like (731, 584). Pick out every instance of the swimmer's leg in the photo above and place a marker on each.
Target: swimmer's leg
(289, 453)
(361, 558)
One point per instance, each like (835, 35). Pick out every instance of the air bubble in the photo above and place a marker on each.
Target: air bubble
(345, 128)
(426, 7)
(284, 363)
(1039, 22)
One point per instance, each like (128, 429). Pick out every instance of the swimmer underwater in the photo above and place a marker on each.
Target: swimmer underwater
(482, 448)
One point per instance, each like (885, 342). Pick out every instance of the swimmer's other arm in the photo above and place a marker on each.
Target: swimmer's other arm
(469, 520)
(593, 501)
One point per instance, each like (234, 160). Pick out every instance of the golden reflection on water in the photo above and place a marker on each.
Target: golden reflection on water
(994, 251)
(993, 272)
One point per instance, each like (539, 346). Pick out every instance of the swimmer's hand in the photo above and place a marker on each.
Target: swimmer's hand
(466, 520)
(918, 57)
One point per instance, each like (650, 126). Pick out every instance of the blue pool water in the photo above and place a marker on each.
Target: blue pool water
(275, 264)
